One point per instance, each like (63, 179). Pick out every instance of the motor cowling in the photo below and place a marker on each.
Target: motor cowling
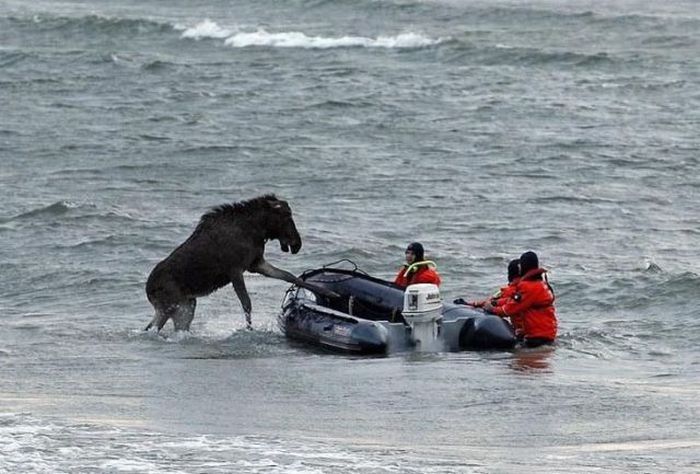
(422, 311)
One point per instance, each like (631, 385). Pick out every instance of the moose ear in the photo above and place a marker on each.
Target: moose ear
(277, 204)
(272, 201)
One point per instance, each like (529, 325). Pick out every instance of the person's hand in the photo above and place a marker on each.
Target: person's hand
(488, 307)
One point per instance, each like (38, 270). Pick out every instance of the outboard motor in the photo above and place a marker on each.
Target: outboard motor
(422, 310)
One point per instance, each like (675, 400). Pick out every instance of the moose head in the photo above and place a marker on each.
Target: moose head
(282, 226)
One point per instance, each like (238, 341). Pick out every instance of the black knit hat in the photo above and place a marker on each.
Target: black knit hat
(528, 261)
(417, 249)
(513, 270)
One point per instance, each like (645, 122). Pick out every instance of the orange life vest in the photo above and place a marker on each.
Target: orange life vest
(421, 274)
(531, 307)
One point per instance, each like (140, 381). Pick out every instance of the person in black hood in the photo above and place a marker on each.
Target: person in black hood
(513, 270)
(417, 269)
(529, 261)
(502, 294)
(531, 308)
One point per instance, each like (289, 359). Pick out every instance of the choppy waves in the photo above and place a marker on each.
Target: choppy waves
(295, 39)
(644, 313)
(75, 210)
(100, 25)
(30, 444)
(479, 129)
(89, 24)
(265, 36)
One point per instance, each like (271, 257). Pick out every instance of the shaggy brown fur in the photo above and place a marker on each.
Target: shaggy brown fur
(229, 240)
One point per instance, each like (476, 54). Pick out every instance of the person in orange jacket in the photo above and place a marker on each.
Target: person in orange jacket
(531, 307)
(417, 269)
(502, 295)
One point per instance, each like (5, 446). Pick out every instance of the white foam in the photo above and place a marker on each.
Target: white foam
(295, 39)
(29, 444)
(124, 465)
(206, 29)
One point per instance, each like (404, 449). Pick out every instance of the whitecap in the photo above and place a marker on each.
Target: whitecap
(125, 465)
(650, 266)
(206, 29)
(296, 39)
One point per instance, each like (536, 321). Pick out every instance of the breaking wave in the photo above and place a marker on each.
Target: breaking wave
(39, 444)
(208, 29)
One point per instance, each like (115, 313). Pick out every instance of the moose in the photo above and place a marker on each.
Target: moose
(229, 240)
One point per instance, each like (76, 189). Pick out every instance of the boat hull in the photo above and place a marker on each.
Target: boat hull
(366, 318)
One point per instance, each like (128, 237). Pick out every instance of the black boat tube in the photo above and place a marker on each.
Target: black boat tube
(365, 317)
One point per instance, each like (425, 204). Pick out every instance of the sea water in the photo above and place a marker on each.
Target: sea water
(481, 129)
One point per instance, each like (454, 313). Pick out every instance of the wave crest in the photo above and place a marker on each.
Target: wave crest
(72, 211)
(206, 29)
(296, 39)
(94, 23)
(56, 209)
(300, 40)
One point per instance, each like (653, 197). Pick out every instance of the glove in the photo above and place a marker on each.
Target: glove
(460, 301)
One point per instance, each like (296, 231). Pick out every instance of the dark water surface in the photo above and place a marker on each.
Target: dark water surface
(482, 129)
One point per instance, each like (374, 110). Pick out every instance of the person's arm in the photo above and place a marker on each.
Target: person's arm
(517, 303)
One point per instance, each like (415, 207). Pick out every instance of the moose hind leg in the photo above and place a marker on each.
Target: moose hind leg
(160, 318)
(166, 313)
(184, 314)
(156, 318)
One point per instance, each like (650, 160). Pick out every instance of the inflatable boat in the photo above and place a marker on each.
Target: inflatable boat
(374, 316)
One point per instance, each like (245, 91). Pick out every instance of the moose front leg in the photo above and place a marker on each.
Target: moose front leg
(271, 271)
(242, 293)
